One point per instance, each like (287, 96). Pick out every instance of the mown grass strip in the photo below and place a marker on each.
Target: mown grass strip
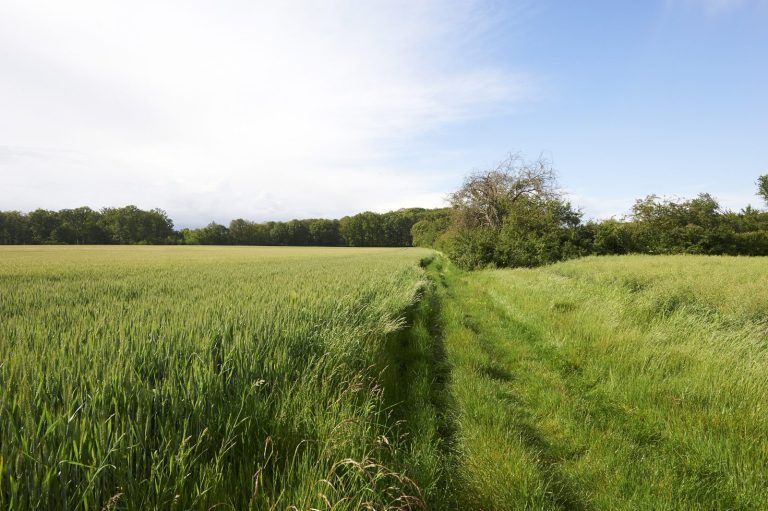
(416, 388)
(575, 391)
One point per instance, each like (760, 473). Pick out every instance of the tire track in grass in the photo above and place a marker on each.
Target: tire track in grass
(505, 462)
(418, 377)
(555, 408)
(638, 444)
(561, 491)
(440, 396)
(586, 416)
(524, 373)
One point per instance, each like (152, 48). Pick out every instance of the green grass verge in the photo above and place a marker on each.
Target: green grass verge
(610, 383)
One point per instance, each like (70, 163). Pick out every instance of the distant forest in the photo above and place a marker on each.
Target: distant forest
(512, 215)
(130, 225)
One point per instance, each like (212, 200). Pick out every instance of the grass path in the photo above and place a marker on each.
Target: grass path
(569, 393)
(506, 461)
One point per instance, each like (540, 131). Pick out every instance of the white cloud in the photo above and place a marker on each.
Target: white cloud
(738, 201)
(601, 208)
(718, 7)
(236, 108)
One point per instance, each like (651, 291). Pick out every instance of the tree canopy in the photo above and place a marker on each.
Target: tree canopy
(762, 187)
(509, 215)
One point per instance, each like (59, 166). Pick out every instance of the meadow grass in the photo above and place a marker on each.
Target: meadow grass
(635, 382)
(202, 377)
(285, 378)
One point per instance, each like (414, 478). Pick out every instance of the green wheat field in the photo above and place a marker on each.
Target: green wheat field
(183, 378)
(338, 378)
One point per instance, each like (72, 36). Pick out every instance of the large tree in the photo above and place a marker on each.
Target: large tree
(510, 215)
(80, 226)
(486, 197)
(762, 187)
(43, 224)
(130, 224)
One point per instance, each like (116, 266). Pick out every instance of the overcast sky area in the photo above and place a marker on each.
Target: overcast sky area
(298, 109)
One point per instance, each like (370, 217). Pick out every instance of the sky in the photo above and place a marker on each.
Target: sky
(305, 108)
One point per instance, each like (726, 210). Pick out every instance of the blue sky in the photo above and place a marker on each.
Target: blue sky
(636, 98)
(300, 108)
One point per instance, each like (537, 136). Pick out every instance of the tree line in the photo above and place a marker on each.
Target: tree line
(507, 216)
(513, 215)
(84, 226)
(131, 225)
(367, 229)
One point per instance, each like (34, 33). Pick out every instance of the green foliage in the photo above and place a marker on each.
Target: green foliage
(511, 215)
(696, 226)
(427, 231)
(762, 187)
(43, 224)
(242, 232)
(531, 234)
(84, 226)
(486, 198)
(324, 233)
(676, 227)
(361, 230)
(535, 233)
(608, 237)
(130, 225)
(14, 228)
(211, 234)
(79, 226)
(392, 229)
(471, 248)
(368, 229)
(535, 230)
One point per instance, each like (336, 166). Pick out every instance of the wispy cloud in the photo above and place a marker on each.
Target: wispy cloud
(237, 108)
(599, 208)
(718, 7)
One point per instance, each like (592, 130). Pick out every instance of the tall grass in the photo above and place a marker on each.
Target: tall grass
(611, 383)
(277, 378)
(194, 378)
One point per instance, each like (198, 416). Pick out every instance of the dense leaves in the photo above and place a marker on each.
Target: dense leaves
(487, 198)
(81, 226)
(696, 226)
(367, 229)
(131, 225)
(762, 187)
(511, 215)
